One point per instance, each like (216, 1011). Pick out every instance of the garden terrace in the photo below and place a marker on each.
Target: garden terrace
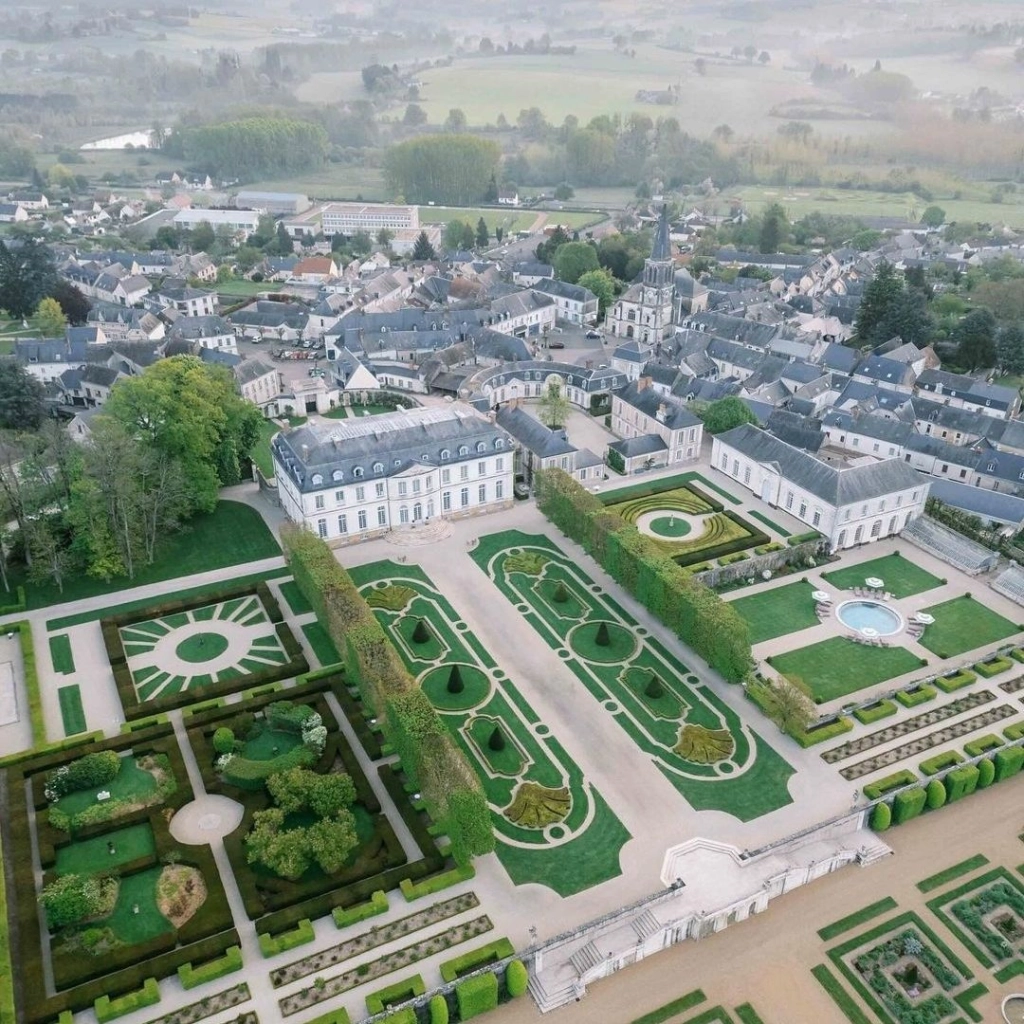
(201, 646)
(986, 914)
(778, 611)
(552, 827)
(905, 974)
(183, 912)
(964, 624)
(907, 726)
(923, 743)
(837, 666)
(374, 864)
(696, 740)
(901, 576)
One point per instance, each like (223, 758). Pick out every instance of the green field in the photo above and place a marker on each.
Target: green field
(261, 452)
(107, 851)
(242, 288)
(837, 666)
(778, 611)
(230, 535)
(902, 578)
(964, 624)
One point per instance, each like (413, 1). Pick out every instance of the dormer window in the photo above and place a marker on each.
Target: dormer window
(378, 468)
(991, 467)
(481, 447)
(337, 476)
(463, 450)
(445, 454)
(499, 443)
(317, 480)
(357, 472)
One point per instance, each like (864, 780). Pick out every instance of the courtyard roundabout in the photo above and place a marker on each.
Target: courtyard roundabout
(552, 826)
(695, 739)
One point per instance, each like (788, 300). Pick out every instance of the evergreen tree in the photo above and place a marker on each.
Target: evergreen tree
(421, 634)
(497, 739)
(482, 236)
(975, 338)
(1010, 348)
(654, 689)
(455, 683)
(561, 594)
(603, 637)
(423, 250)
(774, 228)
(882, 291)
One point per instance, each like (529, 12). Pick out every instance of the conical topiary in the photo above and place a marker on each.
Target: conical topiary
(603, 638)
(455, 683)
(497, 739)
(654, 689)
(561, 594)
(421, 634)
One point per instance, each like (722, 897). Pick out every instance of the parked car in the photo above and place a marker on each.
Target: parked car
(556, 344)
(521, 490)
(593, 335)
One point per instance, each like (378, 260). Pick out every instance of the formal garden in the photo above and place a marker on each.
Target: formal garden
(695, 739)
(901, 576)
(684, 522)
(552, 826)
(120, 903)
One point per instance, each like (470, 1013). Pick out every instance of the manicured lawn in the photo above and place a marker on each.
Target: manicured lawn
(295, 598)
(941, 878)
(232, 534)
(60, 654)
(239, 287)
(93, 856)
(261, 451)
(770, 523)
(270, 743)
(201, 647)
(962, 625)
(837, 666)
(131, 781)
(71, 713)
(137, 891)
(902, 578)
(341, 412)
(323, 646)
(778, 611)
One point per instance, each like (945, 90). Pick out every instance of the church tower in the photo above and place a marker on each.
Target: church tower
(644, 311)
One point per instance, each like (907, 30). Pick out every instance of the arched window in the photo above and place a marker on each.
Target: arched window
(317, 480)
(445, 454)
(481, 447)
(337, 476)
(463, 450)
(378, 468)
(357, 472)
(499, 443)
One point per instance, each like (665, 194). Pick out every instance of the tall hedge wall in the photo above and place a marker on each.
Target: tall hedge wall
(429, 755)
(694, 612)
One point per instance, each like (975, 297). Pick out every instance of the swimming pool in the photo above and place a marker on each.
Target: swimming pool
(861, 615)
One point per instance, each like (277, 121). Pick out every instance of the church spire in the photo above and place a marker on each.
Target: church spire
(662, 245)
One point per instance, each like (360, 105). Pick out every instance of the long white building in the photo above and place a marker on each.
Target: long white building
(357, 479)
(849, 504)
(348, 218)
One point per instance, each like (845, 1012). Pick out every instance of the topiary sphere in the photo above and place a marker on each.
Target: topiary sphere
(881, 817)
(986, 773)
(936, 794)
(224, 740)
(438, 1010)
(516, 978)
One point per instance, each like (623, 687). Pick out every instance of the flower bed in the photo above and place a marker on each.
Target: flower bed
(208, 1007)
(318, 993)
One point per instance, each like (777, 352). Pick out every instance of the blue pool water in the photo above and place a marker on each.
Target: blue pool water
(860, 615)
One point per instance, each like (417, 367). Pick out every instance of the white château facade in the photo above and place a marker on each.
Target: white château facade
(358, 479)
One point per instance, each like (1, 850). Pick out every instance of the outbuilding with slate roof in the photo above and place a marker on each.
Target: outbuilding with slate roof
(848, 504)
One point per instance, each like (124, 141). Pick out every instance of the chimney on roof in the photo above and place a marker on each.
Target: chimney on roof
(643, 383)
(660, 414)
(491, 416)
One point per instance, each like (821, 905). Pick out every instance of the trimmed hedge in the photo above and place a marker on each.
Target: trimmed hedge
(107, 1008)
(271, 945)
(376, 904)
(904, 777)
(918, 695)
(416, 890)
(35, 700)
(336, 1016)
(803, 538)
(398, 992)
(881, 817)
(697, 615)
(499, 949)
(908, 804)
(820, 733)
(1015, 731)
(975, 748)
(191, 976)
(1008, 762)
(517, 979)
(20, 604)
(993, 667)
(875, 712)
(429, 754)
(956, 681)
(961, 782)
(476, 995)
(938, 762)
(438, 1008)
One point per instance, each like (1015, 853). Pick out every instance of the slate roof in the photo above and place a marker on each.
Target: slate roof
(877, 427)
(649, 402)
(800, 431)
(881, 368)
(967, 388)
(219, 357)
(645, 444)
(662, 248)
(531, 433)
(101, 376)
(533, 270)
(250, 370)
(564, 290)
(735, 328)
(837, 486)
(980, 501)
(839, 357)
(396, 440)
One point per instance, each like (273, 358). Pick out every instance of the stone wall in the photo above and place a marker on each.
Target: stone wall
(757, 565)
